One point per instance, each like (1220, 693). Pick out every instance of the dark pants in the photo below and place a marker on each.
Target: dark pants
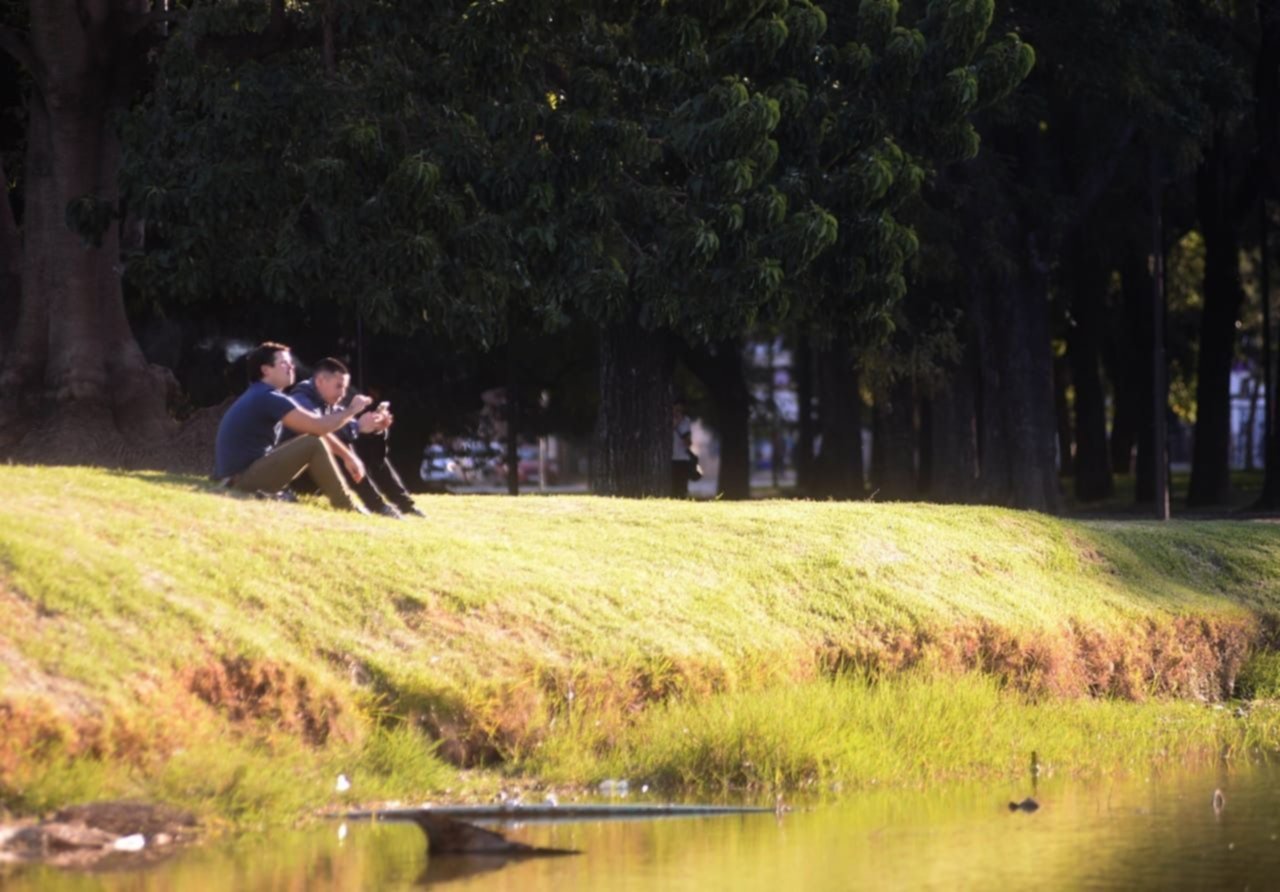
(381, 481)
(680, 479)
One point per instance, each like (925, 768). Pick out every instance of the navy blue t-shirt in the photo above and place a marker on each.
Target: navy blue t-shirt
(250, 429)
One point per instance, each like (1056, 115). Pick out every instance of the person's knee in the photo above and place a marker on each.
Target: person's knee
(317, 448)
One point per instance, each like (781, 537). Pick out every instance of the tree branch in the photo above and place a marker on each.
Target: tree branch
(330, 45)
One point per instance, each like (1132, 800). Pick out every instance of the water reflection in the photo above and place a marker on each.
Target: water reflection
(1144, 832)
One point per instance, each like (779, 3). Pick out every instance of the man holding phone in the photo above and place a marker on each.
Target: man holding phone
(359, 445)
(251, 454)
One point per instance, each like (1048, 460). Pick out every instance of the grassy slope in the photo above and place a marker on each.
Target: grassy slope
(145, 616)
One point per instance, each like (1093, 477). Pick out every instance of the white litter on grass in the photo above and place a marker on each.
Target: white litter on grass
(343, 784)
(342, 832)
(135, 842)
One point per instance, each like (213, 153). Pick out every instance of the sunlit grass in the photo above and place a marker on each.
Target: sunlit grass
(851, 733)
(185, 642)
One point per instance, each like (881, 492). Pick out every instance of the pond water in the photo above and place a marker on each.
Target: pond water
(1159, 831)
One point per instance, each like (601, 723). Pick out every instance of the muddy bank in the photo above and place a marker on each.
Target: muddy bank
(99, 835)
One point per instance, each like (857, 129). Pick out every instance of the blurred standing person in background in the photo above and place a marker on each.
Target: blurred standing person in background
(682, 458)
(361, 443)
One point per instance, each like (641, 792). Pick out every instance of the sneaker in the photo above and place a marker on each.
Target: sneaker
(390, 511)
(414, 510)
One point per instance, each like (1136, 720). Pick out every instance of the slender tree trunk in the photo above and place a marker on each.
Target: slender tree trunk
(1062, 416)
(1159, 363)
(1139, 320)
(989, 396)
(1250, 445)
(1223, 296)
(1267, 128)
(804, 399)
(1124, 425)
(720, 368)
(954, 436)
(513, 414)
(837, 468)
(632, 455)
(10, 265)
(1270, 497)
(86, 393)
(1092, 466)
(895, 444)
(924, 441)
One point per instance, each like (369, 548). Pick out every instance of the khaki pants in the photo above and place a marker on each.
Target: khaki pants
(278, 468)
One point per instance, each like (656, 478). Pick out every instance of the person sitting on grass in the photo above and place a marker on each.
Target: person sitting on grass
(247, 454)
(360, 444)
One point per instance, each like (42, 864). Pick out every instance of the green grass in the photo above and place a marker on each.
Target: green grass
(164, 640)
(850, 733)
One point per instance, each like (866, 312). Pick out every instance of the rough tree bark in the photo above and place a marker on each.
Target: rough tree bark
(632, 454)
(1223, 296)
(78, 388)
(720, 368)
(84, 390)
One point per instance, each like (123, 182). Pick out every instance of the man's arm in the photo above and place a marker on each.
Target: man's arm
(304, 421)
(347, 456)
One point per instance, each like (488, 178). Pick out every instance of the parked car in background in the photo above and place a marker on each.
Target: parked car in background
(527, 468)
(463, 462)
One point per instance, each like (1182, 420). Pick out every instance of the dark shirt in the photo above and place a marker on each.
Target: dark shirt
(250, 429)
(304, 393)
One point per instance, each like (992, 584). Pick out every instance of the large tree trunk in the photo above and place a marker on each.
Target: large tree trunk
(632, 455)
(1210, 457)
(837, 468)
(1017, 429)
(720, 368)
(1028, 417)
(1093, 480)
(85, 393)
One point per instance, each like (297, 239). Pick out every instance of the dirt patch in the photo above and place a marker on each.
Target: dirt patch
(248, 691)
(33, 730)
(1185, 657)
